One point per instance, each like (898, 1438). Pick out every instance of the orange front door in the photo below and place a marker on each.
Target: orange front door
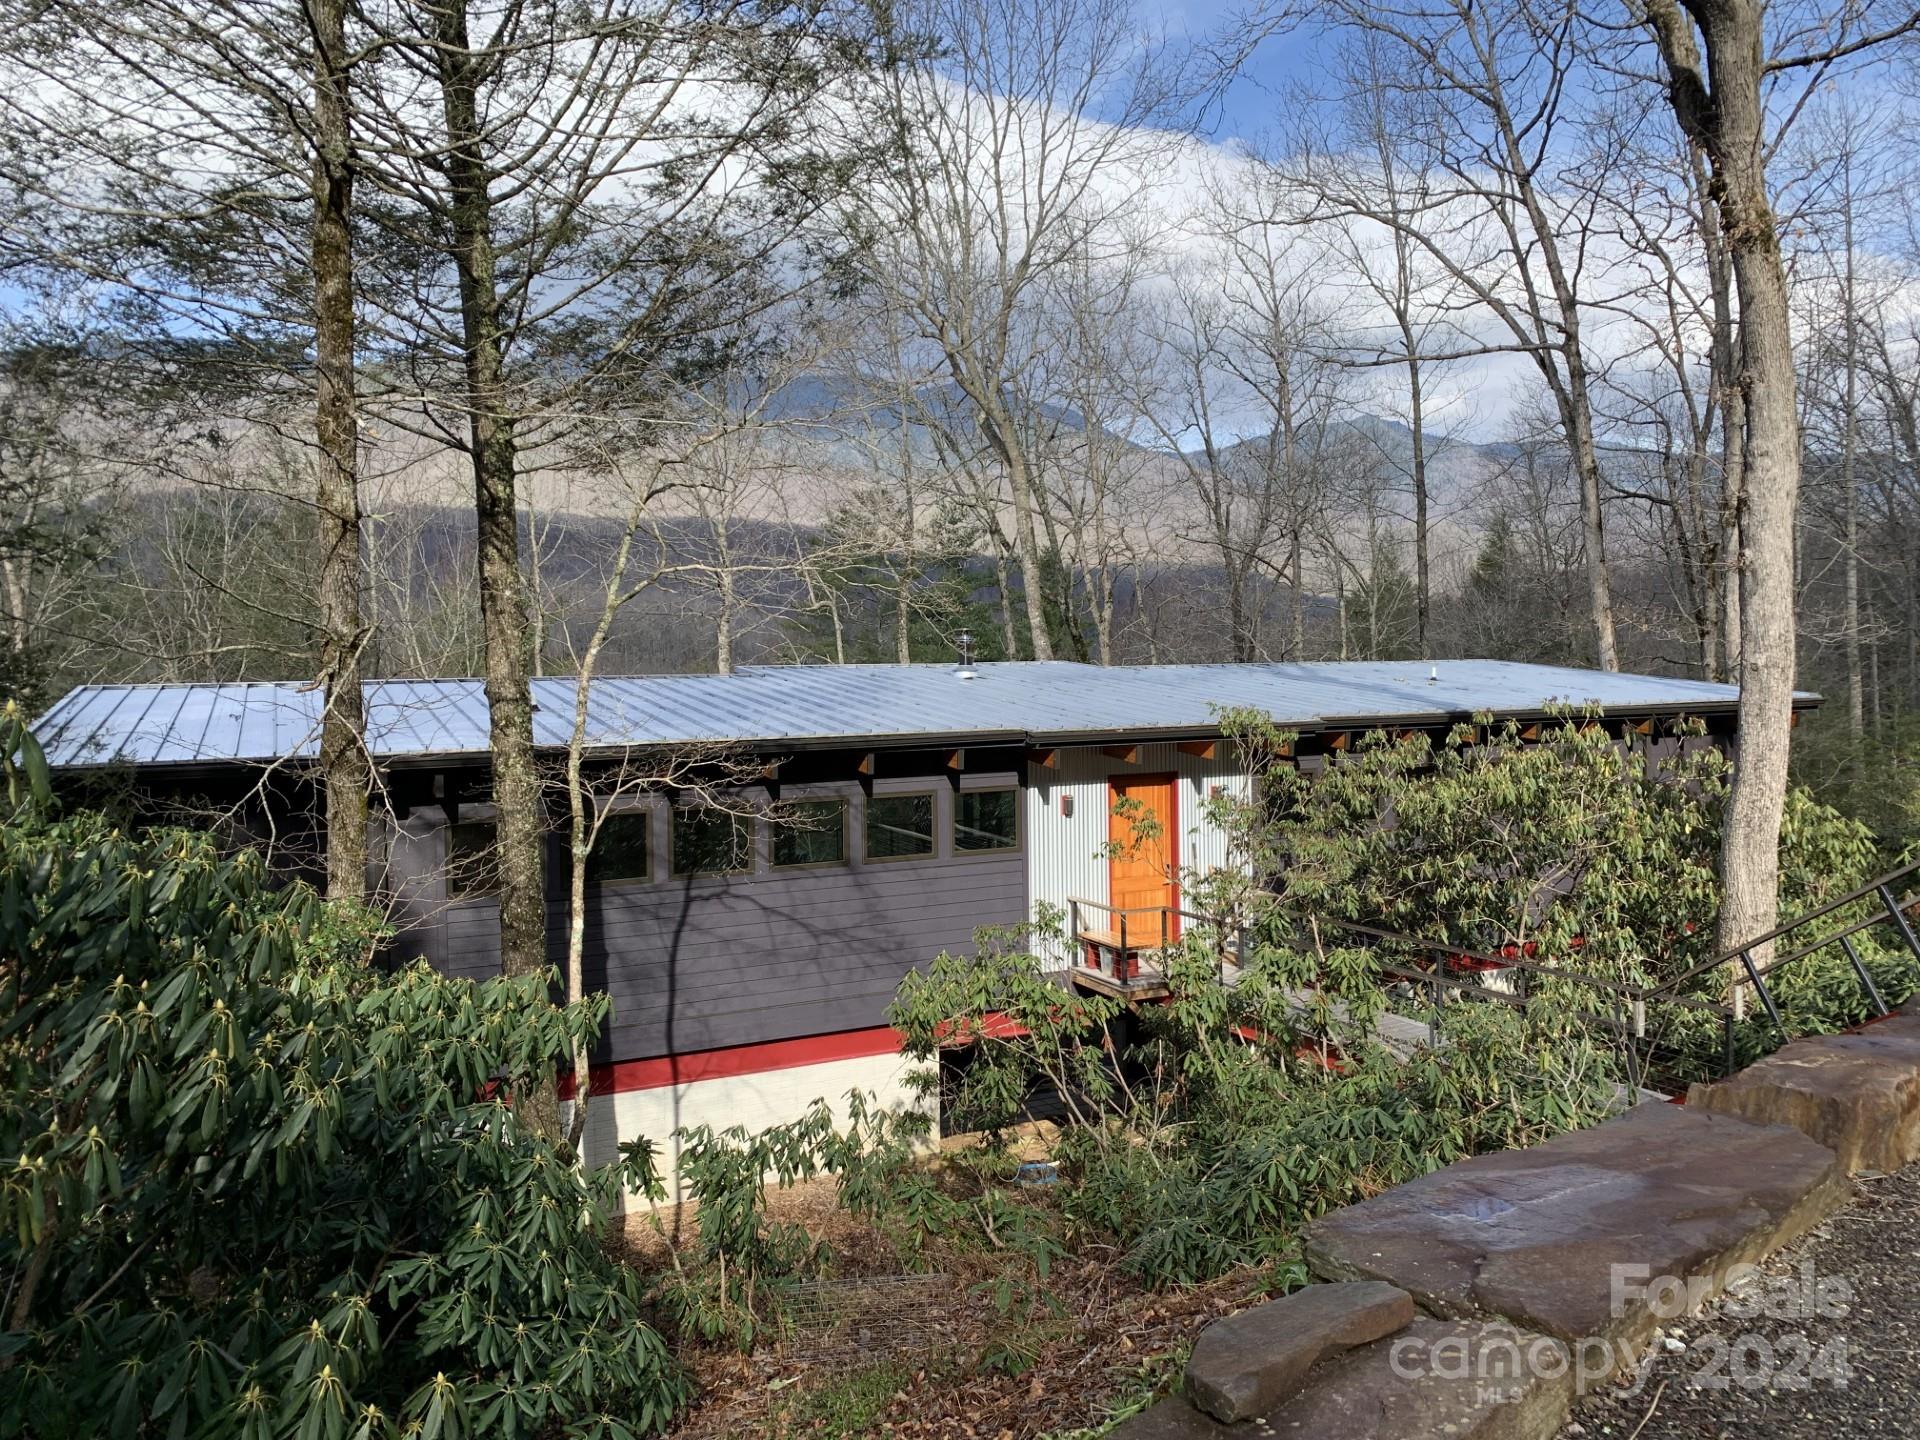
(1143, 868)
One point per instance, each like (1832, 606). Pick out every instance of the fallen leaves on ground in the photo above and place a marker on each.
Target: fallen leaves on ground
(1102, 1341)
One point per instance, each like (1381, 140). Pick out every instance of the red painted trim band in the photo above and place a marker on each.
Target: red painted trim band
(994, 1025)
(733, 1060)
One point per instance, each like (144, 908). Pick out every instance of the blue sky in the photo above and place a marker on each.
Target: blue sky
(1254, 99)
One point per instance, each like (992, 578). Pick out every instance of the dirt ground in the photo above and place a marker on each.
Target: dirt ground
(1825, 1343)
(966, 1373)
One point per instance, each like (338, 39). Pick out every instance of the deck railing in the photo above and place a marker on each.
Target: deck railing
(1889, 909)
(1627, 1006)
(1133, 929)
(1623, 1007)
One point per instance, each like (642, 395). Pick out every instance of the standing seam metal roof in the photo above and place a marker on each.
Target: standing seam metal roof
(800, 705)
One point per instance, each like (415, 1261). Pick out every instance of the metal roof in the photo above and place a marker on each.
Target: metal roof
(815, 705)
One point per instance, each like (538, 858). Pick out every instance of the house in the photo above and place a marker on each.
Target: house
(751, 955)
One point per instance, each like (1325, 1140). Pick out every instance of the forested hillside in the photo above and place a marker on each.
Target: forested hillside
(545, 340)
(993, 316)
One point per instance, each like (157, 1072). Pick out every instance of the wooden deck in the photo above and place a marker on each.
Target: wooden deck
(1117, 952)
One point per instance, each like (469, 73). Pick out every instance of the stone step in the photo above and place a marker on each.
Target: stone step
(1246, 1364)
(1572, 1237)
(1858, 1094)
(1543, 1271)
(1435, 1380)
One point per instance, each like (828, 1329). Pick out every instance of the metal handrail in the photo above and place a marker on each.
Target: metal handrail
(1637, 997)
(1185, 914)
(1238, 955)
(1630, 998)
(1843, 934)
(1727, 957)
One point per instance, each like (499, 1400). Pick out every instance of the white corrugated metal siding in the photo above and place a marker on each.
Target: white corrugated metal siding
(1065, 857)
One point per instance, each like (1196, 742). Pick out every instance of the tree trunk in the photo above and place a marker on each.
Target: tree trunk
(1721, 107)
(723, 629)
(998, 428)
(1296, 598)
(344, 768)
(903, 581)
(1730, 550)
(1873, 681)
(520, 828)
(1003, 577)
(581, 831)
(1103, 611)
(1423, 573)
(1068, 611)
(1238, 626)
(1849, 477)
(1728, 396)
(580, 852)
(1727, 358)
(1032, 576)
(1750, 850)
(1694, 548)
(1577, 415)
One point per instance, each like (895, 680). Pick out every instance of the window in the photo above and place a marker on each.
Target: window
(711, 842)
(473, 862)
(986, 820)
(620, 849)
(811, 832)
(899, 826)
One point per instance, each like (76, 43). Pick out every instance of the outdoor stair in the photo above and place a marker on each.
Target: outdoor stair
(1514, 1254)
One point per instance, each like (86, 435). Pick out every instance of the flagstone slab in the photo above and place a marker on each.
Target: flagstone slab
(1570, 1238)
(1857, 1094)
(1435, 1380)
(1246, 1364)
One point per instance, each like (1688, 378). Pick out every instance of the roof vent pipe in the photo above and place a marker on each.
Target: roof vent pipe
(963, 642)
(1433, 674)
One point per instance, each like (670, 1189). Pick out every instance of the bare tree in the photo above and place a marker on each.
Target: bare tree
(1663, 403)
(1378, 116)
(1020, 143)
(1247, 399)
(1718, 56)
(904, 517)
(1495, 82)
(193, 163)
(581, 200)
(595, 785)
(1377, 603)
(739, 544)
(1097, 480)
(1841, 303)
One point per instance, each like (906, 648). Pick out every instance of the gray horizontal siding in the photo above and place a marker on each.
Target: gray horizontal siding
(693, 964)
(775, 957)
